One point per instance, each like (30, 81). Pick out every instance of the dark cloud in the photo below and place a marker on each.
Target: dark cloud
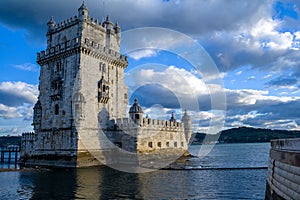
(281, 110)
(217, 24)
(191, 17)
(152, 94)
(282, 81)
(15, 94)
(264, 111)
(33, 15)
(13, 99)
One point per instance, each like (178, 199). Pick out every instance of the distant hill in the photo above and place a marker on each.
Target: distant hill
(249, 135)
(10, 140)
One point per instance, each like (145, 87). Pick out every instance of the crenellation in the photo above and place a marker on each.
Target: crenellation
(154, 124)
(75, 43)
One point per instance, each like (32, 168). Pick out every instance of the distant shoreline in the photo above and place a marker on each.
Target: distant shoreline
(245, 135)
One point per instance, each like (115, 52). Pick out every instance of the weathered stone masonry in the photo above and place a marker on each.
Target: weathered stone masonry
(81, 107)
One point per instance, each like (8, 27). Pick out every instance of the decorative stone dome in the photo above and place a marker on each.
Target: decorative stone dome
(135, 108)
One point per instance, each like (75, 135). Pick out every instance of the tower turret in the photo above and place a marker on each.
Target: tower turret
(117, 29)
(83, 11)
(172, 118)
(37, 116)
(187, 123)
(136, 112)
(108, 24)
(51, 24)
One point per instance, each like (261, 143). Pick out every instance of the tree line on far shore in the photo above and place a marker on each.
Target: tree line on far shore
(246, 135)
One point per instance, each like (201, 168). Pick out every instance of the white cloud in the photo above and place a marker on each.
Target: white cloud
(10, 131)
(239, 73)
(183, 83)
(247, 116)
(17, 93)
(145, 53)
(17, 100)
(250, 78)
(9, 112)
(244, 97)
(27, 67)
(267, 76)
(25, 111)
(264, 34)
(297, 35)
(282, 124)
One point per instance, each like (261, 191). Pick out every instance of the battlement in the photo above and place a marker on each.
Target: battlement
(77, 42)
(100, 49)
(86, 34)
(53, 27)
(28, 136)
(102, 25)
(153, 124)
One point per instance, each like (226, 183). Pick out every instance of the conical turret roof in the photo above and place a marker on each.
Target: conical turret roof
(135, 108)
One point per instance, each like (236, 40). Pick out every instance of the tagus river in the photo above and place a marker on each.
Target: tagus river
(229, 171)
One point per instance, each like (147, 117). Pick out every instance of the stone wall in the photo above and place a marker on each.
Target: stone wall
(283, 180)
(149, 136)
(64, 148)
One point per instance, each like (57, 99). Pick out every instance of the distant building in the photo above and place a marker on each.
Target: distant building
(80, 116)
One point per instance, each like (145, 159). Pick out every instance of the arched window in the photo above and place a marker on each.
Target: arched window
(56, 109)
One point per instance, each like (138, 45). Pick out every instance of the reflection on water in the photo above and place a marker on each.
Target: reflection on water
(48, 184)
(106, 183)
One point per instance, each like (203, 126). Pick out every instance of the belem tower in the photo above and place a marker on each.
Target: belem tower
(80, 118)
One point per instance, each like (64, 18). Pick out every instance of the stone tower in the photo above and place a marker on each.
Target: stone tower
(81, 69)
(187, 123)
(81, 83)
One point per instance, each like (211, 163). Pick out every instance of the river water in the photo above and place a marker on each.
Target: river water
(229, 171)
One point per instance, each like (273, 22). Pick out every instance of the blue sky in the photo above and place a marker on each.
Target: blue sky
(254, 44)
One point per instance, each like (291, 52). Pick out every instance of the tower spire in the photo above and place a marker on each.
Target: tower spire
(83, 10)
(51, 24)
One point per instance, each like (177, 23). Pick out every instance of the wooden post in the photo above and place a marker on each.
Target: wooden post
(16, 155)
(9, 155)
(2, 155)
